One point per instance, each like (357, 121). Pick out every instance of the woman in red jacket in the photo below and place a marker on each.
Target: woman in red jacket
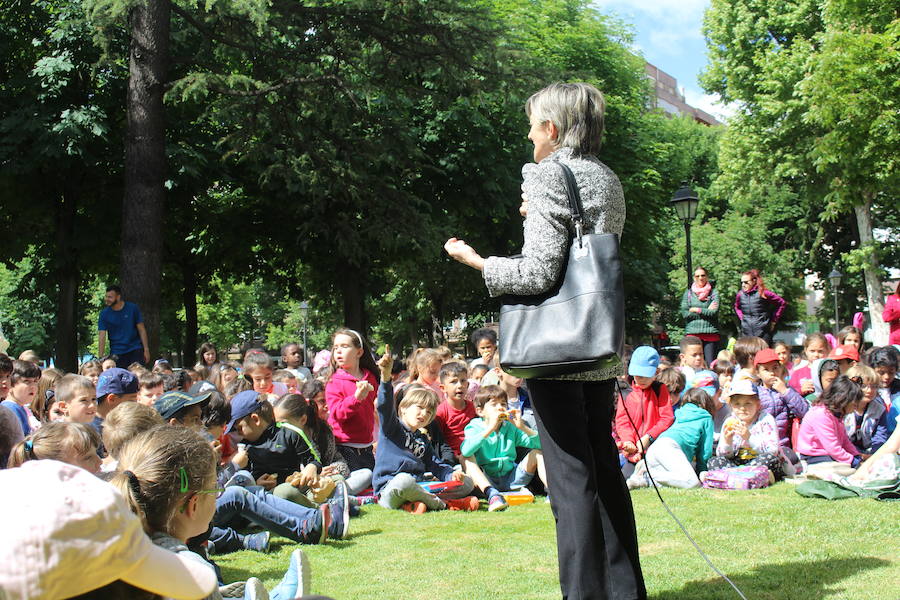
(891, 315)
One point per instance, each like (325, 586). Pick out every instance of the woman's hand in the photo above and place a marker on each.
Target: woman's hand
(696, 309)
(462, 252)
(523, 208)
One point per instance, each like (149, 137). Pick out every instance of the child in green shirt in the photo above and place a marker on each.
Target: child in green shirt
(489, 448)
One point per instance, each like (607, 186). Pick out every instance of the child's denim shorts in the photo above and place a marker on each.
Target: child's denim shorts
(515, 479)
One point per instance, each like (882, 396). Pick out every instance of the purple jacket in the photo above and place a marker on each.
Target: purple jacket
(783, 407)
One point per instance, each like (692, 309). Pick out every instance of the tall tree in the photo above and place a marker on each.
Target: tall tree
(143, 205)
(853, 93)
(798, 80)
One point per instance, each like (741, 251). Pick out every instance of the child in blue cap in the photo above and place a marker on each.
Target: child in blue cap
(645, 413)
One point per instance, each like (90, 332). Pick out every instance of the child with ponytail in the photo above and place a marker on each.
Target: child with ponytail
(73, 443)
(168, 477)
(350, 394)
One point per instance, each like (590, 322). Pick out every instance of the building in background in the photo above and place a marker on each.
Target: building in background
(669, 99)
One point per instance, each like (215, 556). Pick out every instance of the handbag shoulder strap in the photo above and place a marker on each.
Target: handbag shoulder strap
(574, 197)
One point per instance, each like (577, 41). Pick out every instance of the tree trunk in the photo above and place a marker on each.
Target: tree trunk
(354, 301)
(189, 282)
(145, 163)
(67, 279)
(874, 288)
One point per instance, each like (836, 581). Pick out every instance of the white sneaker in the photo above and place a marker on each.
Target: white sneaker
(254, 590)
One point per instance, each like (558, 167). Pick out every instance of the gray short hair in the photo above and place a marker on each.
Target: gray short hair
(576, 109)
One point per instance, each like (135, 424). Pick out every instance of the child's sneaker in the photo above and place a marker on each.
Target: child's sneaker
(296, 580)
(258, 542)
(325, 514)
(497, 503)
(255, 590)
(241, 478)
(468, 503)
(416, 508)
(340, 512)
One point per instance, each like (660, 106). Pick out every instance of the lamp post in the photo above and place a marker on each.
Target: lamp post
(685, 202)
(304, 308)
(835, 278)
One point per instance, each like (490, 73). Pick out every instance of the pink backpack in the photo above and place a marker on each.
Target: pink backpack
(737, 478)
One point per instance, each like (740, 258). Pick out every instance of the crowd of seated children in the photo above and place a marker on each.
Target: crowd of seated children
(304, 446)
(490, 444)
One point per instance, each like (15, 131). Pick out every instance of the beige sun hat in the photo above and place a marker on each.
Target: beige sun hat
(66, 532)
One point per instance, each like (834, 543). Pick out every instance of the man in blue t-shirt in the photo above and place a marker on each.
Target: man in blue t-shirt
(122, 322)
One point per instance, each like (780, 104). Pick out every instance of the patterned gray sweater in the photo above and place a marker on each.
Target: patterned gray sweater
(549, 227)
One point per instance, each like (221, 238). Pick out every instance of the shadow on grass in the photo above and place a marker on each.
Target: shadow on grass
(778, 581)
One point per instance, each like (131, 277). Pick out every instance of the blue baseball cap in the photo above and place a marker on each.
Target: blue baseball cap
(116, 381)
(644, 362)
(170, 403)
(243, 404)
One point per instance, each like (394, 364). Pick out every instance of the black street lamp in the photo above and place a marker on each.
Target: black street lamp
(835, 278)
(685, 202)
(304, 308)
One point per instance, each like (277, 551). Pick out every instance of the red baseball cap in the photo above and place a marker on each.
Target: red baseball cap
(765, 355)
(845, 352)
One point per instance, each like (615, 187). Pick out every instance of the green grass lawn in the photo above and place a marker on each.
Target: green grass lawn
(772, 543)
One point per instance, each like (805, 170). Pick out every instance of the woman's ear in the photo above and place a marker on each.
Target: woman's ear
(303, 421)
(552, 131)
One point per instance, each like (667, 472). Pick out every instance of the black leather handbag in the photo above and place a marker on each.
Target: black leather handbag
(579, 324)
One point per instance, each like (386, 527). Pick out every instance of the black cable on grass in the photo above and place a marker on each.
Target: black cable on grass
(669, 510)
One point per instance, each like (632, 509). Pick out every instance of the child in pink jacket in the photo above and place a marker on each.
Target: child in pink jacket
(823, 437)
(350, 395)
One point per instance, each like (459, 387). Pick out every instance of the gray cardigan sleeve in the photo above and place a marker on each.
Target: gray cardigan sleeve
(549, 227)
(546, 242)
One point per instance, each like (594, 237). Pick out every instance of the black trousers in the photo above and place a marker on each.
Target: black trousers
(595, 531)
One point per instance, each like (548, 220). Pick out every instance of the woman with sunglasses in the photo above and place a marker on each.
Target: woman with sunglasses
(700, 309)
(758, 308)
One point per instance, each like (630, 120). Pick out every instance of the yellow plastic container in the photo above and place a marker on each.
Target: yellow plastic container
(522, 496)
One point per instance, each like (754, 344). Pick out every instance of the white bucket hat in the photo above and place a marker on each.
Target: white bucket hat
(66, 532)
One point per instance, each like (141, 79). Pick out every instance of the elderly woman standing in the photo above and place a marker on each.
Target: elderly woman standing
(699, 307)
(595, 529)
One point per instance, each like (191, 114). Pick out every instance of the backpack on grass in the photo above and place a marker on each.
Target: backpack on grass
(737, 478)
